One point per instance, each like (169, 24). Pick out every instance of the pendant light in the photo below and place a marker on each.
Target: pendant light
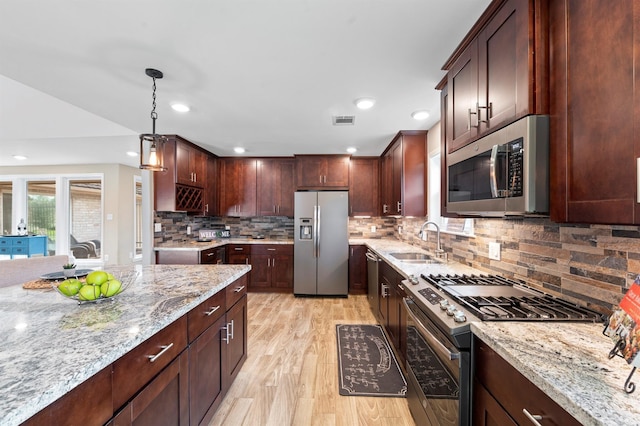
(151, 144)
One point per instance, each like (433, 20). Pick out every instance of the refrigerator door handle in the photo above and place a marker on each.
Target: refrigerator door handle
(317, 232)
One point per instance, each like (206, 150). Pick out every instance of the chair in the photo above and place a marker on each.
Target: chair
(82, 250)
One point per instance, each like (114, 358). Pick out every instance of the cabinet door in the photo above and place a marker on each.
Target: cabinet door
(235, 344)
(164, 401)
(211, 188)
(310, 171)
(183, 169)
(357, 269)
(594, 152)
(238, 189)
(414, 175)
(396, 178)
(275, 184)
(282, 271)
(286, 185)
(386, 182)
(462, 119)
(198, 165)
(337, 172)
(503, 66)
(205, 375)
(363, 188)
(260, 271)
(486, 410)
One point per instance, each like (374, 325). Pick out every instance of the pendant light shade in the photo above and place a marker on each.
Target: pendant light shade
(152, 144)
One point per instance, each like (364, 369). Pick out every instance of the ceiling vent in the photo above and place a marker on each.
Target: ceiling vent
(344, 120)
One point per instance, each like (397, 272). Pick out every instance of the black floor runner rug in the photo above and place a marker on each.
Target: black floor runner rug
(367, 365)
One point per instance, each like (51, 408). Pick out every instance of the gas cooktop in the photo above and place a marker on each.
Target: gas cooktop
(495, 298)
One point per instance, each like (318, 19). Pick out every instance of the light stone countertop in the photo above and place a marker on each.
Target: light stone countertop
(567, 361)
(51, 344)
(198, 246)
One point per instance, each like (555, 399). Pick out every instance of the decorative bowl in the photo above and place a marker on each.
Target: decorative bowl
(73, 288)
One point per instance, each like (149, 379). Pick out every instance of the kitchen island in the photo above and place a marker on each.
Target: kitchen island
(51, 345)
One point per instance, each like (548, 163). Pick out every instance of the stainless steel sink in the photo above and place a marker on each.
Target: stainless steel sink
(413, 257)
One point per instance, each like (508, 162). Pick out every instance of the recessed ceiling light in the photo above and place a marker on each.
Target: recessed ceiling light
(351, 150)
(132, 153)
(239, 150)
(420, 115)
(180, 107)
(365, 103)
(19, 157)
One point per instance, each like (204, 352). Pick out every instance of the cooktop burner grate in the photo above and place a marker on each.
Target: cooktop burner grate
(495, 298)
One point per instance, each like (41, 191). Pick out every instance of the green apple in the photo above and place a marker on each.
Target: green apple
(97, 278)
(110, 288)
(89, 292)
(70, 287)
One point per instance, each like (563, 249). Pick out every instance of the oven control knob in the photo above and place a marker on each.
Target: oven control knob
(451, 310)
(444, 303)
(459, 316)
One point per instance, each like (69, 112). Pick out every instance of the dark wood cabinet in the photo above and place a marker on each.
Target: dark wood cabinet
(212, 190)
(184, 186)
(322, 171)
(164, 400)
(238, 254)
(404, 174)
(364, 192)
(276, 186)
(391, 310)
(512, 392)
(234, 353)
(595, 108)
(271, 267)
(386, 184)
(213, 256)
(191, 164)
(238, 187)
(357, 269)
(499, 73)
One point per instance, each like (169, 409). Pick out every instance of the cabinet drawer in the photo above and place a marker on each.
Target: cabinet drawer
(5, 242)
(236, 290)
(239, 248)
(205, 314)
(136, 368)
(208, 256)
(515, 392)
(283, 249)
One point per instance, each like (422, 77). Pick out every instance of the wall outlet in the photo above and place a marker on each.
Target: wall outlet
(227, 227)
(157, 227)
(400, 230)
(106, 257)
(494, 251)
(373, 228)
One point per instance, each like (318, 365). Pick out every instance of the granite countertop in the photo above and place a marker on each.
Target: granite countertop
(51, 344)
(198, 246)
(567, 361)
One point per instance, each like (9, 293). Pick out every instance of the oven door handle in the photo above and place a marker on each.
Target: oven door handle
(432, 340)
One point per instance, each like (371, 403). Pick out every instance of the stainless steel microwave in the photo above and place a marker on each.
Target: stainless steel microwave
(505, 173)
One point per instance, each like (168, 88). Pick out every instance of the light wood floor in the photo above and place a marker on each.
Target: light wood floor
(291, 373)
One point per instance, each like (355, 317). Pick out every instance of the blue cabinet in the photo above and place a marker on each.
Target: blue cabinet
(18, 245)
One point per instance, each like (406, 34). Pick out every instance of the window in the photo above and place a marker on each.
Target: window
(451, 225)
(68, 210)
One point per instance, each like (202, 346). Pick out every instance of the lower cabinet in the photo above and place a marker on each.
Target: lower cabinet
(358, 269)
(392, 313)
(271, 268)
(503, 396)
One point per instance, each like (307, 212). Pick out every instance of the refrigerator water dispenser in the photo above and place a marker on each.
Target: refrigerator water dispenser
(306, 229)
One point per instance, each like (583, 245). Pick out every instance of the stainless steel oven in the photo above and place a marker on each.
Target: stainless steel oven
(437, 372)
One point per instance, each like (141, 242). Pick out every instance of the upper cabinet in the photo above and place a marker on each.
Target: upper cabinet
(499, 72)
(322, 171)
(595, 111)
(275, 182)
(178, 190)
(404, 175)
(191, 164)
(363, 188)
(238, 187)
(211, 192)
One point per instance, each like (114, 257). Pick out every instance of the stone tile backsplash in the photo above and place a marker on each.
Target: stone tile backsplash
(592, 264)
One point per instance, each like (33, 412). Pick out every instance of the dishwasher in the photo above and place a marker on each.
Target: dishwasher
(373, 293)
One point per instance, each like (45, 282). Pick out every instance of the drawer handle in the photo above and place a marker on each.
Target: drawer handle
(213, 309)
(238, 289)
(271, 249)
(210, 254)
(165, 348)
(533, 417)
(238, 249)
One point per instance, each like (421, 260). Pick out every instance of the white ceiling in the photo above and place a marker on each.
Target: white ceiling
(265, 75)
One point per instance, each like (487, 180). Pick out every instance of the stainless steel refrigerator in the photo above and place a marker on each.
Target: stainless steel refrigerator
(321, 243)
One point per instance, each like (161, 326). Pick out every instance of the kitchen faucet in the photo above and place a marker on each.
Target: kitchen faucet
(439, 250)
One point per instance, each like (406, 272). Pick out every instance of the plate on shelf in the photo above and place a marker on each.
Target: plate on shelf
(60, 275)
